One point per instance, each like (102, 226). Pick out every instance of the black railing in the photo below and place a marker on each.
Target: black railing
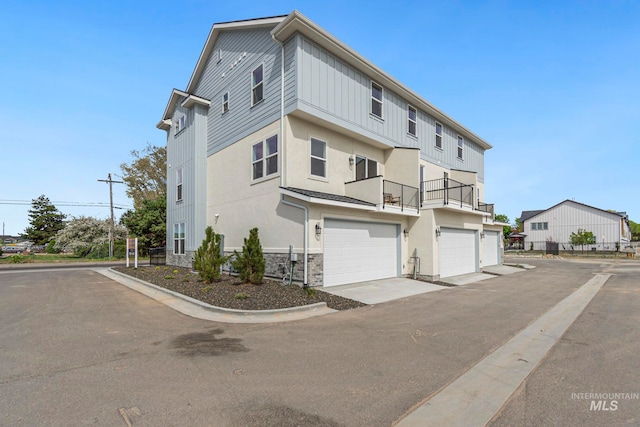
(157, 256)
(447, 190)
(403, 196)
(487, 207)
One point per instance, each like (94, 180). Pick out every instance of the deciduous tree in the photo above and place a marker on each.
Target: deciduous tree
(85, 234)
(581, 238)
(148, 223)
(146, 175)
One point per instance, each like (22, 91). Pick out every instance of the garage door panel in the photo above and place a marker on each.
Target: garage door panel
(359, 251)
(491, 247)
(458, 252)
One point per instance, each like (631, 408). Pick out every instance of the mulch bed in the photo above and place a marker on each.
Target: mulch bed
(230, 292)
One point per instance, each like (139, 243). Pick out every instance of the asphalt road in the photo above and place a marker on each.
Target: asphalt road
(79, 349)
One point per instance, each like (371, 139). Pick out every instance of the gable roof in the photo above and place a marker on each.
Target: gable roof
(529, 214)
(246, 24)
(285, 26)
(297, 22)
(526, 215)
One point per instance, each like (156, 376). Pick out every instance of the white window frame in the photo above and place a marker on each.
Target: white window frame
(375, 100)
(411, 121)
(179, 173)
(218, 55)
(225, 102)
(261, 163)
(367, 173)
(180, 124)
(439, 135)
(460, 147)
(255, 85)
(322, 160)
(179, 238)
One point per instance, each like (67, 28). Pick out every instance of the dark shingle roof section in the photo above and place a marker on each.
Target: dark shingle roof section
(529, 214)
(328, 196)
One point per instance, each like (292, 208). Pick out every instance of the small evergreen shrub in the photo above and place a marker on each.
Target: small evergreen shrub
(250, 264)
(208, 259)
(241, 295)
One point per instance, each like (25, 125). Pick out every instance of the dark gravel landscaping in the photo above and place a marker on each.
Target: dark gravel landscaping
(230, 292)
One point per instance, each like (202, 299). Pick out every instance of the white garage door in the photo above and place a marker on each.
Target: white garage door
(359, 251)
(491, 247)
(457, 252)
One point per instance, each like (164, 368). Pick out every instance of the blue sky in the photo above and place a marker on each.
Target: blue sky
(554, 86)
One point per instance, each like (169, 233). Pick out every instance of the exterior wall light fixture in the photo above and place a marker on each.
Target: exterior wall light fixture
(406, 233)
(318, 230)
(437, 232)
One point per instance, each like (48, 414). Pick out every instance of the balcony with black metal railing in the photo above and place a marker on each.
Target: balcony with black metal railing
(449, 193)
(388, 196)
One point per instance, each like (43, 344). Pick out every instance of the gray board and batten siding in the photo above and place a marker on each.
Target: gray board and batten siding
(183, 153)
(336, 92)
(241, 52)
(320, 85)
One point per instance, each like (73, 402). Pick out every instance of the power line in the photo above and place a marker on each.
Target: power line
(72, 204)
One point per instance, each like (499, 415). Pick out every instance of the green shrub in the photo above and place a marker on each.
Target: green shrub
(168, 277)
(207, 289)
(250, 264)
(241, 295)
(51, 249)
(208, 259)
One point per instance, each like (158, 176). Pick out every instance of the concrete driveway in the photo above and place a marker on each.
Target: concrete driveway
(78, 348)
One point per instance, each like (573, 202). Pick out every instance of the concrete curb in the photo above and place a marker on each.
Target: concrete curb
(198, 309)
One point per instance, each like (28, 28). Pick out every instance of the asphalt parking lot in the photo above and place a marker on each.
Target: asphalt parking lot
(79, 348)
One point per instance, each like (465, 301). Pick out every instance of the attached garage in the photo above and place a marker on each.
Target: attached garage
(359, 251)
(458, 252)
(491, 248)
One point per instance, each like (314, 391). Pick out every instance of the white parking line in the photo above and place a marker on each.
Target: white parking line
(475, 397)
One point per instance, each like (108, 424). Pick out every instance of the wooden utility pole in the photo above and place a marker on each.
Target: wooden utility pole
(112, 226)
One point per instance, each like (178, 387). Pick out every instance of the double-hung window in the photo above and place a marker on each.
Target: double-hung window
(438, 135)
(225, 102)
(264, 157)
(178, 184)
(180, 124)
(365, 168)
(257, 88)
(318, 158)
(460, 146)
(376, 99)
(412, 117)
(178, 238)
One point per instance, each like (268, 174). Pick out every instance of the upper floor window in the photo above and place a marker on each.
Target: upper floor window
(412, 117)
(257, 90)
(365, 168)
(438, 135)
(460, 146)
(180, 124)
(318, 158)
(178, 238)
(178, 184)
(539, 226)
(225, 102)
(376, 99)
(264, 157)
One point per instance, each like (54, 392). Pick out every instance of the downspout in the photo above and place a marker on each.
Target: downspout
(282, 138)
(305, 246)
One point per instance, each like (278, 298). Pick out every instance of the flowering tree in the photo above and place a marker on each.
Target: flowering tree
(85, 234)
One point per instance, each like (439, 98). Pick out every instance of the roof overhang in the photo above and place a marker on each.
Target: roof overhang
(319, 201)
(176, 95)
(297, 22)
(195, 100)
(213, 36)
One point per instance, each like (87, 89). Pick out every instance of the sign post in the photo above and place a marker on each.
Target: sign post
(132, 249)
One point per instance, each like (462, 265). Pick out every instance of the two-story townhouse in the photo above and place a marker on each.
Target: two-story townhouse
(285, 128)
(610, 229)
